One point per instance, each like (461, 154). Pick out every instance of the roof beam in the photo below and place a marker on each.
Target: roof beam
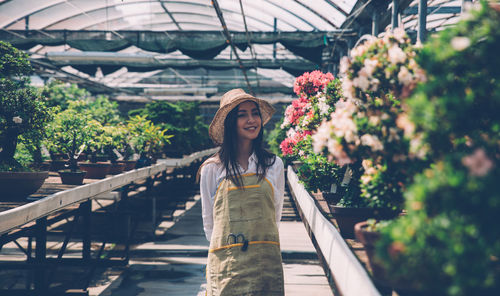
(170, 15)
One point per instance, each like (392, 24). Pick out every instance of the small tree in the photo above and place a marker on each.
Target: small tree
(23, 111)
(70, 133)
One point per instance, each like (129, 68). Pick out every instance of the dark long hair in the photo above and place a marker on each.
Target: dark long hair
(229, 150)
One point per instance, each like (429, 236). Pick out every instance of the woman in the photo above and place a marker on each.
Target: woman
(242, 189)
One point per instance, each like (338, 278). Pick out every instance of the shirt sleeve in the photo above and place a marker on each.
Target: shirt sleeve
(280, 188)
(208, 187)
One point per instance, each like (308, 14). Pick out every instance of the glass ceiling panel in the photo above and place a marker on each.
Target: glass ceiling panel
(70, 14)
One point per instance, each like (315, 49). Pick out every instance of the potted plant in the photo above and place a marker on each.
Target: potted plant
(366, 130)
(147, 139)
(69, 133)
(448, 243)
(23, 115)
(113, 138)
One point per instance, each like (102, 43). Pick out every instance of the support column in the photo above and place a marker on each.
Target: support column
(40, 256)
(395, 12)
(375, 20)
(86, 209)
(275, 28)
(422, 21)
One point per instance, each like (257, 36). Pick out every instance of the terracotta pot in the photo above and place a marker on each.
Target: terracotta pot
(116, 168)
(16, 186)
(72, 178)
(97, 170)
(129, 164)
(347, 217)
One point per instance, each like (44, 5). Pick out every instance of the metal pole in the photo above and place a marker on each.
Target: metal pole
(395, 12)
(275, 28)
(375, 21)
(86, 209)
(422, 21)
(40, 255)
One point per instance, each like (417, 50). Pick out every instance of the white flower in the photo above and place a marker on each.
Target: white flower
(320, 138)
(375, 82)
(344, 64)
(460, 43)
(399, 34)
(374, 120)
(404, 123)
(338, 153)
(17, 119)
(478, 163)
(290, 133)
(371, 141)
(370, 65)
(347, 88)
(361, 82)
(393, 134)
(404, 76)
(396, 54)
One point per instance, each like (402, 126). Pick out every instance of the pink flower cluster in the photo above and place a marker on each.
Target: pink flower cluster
(311, 83)
(290, 142)
(296, 110)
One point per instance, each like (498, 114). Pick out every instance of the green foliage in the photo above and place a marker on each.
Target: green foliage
(70, 133)
(448, 242)
(60, 94)
(146, 138)
(23, 111)
(316, 173)
(183, 122)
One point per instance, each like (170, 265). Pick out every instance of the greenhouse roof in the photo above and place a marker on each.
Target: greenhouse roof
(136, 45)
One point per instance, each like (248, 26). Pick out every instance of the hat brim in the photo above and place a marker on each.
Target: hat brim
(216, 129)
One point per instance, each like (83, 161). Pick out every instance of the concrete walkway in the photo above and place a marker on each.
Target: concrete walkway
(175, 264)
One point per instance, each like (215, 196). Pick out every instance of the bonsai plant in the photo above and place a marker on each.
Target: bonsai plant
(23, 115)
(69, 133)
(146, 139)
(447, 243)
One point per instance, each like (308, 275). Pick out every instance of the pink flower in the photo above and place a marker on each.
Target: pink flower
(478, 163)
(311, 83)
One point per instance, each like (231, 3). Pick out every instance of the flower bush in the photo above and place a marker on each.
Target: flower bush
(317, 93)
(23, 111)
(448, 243)
(367, 129)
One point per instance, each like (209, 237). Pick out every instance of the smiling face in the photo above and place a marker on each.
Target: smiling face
(249, 122)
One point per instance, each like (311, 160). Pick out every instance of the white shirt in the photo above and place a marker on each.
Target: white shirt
(213, 173)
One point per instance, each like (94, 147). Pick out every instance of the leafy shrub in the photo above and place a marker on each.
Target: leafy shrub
(448, 243)
(183, 122)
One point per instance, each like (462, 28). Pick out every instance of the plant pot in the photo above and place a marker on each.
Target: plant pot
(95, 170)
(129, 164)
(116, 168)
(369, 238)
(72, 178)
(347, 217)
(16, 186)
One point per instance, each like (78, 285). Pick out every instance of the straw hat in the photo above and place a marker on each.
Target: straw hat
(228, 102)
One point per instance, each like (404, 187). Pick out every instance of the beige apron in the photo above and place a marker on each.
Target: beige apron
(244, 256)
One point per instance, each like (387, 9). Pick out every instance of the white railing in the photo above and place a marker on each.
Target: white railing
(21, 215)
(350, 277)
